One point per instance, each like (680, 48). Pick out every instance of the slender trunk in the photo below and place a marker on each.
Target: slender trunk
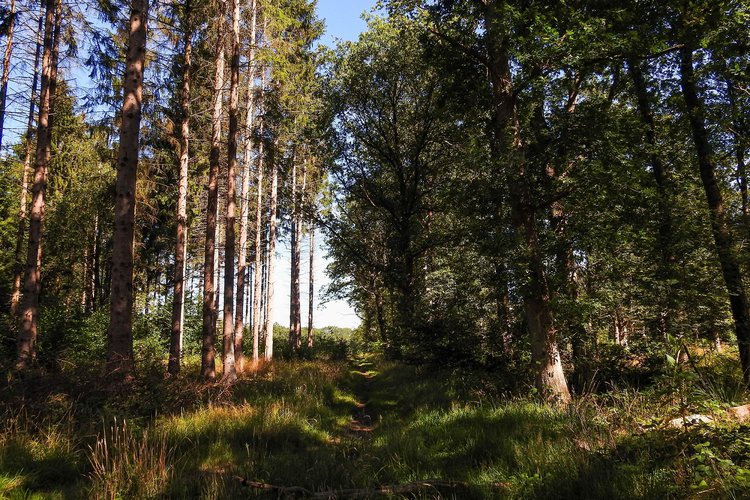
(294, 299)
(6, 69)
(120, 332)
(723, 237)
(311, 288)
(26, 347)
(258, 275)
(239, 320)
(230, 372)
(208, 355)
(271, 256)
(550, 378)
(665, 272)
(180, 256)
(23, 205)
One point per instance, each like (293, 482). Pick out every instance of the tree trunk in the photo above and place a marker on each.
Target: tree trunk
(550, 378)
(665, 272)
(311, 288)
(230, 372)
(271, 256)
(294, 285)
(120, 332)
(23, 204)
(258, 275)
(26, 347)
(6, 69)
(208, 354)
(239, 320)
(723, 237)
(180, 256)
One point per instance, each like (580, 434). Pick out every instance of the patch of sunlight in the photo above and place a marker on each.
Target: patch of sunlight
(219, 458)
(341, 397)
(10, 483)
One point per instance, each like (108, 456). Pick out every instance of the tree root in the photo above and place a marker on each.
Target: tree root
(399, 489)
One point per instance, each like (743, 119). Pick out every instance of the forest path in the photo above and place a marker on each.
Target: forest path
(363, 417)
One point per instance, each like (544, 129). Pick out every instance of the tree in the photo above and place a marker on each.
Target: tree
(120, 332)
(208, 363)
(178, 305)
(27, 337)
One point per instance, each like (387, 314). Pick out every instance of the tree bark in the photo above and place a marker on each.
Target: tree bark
(295, 330)
(550, 378)
(26, 347)
(230, 372)
(23, 208)
(271, 256)
(258, 275)
(208, 353)
(6, 69)
(120, 332)
(180, 256)
(311, 288)
(239, 320)
(720, 228)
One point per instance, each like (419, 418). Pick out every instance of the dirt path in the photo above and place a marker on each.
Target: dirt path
(363, 419)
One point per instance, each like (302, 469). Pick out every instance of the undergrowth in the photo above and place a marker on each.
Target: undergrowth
(327, 425)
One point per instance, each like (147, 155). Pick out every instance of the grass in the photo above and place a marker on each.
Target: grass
(333, 425)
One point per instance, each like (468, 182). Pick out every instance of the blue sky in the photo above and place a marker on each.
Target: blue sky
(343, 18)
(343, 21)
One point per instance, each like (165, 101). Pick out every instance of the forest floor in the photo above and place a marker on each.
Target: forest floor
(362, 428)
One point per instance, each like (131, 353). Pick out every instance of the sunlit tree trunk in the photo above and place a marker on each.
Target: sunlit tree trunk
(545, 355)
(230, 373)
(23, 208)
(259, 230)
(208, 355)
(311, 288)
(26, 347)
(120, 332)
(178, 301)
(271, 255)
(294, 285)
(239, 319)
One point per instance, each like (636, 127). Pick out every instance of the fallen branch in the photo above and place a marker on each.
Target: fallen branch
(399, 489)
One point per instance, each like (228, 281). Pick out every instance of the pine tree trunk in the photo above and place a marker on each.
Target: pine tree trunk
(208, 353)
(26, 347)
(271, 256)
(6, 69)
(311, 288)
(239, 320)
(23, 208)
(120, 332)
(720, 228)
(258, 274)
(180, 256)
(545, 356)
(294, 299)
(230, 373)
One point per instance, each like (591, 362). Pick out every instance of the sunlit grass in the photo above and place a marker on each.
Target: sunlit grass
(329, 425)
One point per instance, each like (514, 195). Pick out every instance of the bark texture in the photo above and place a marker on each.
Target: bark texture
(120, 332)
(180, 255)
(208, 352)
(239, 315)
(230, 372)
(27, 337)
